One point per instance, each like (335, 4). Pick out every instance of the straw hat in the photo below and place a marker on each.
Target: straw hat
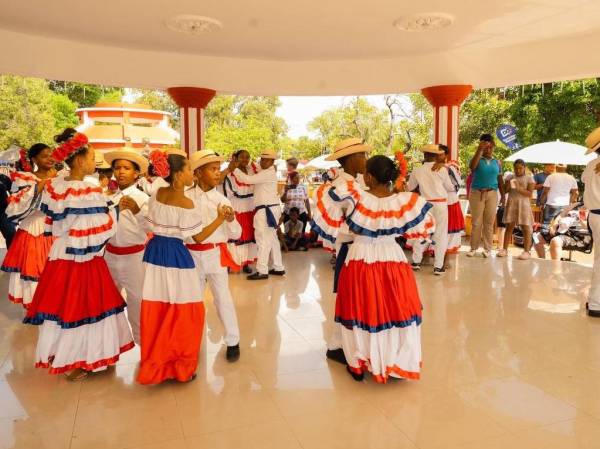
(200, 158)
(100, 161)
(268, 154)
(347, 147)
(128, 154)
(431, 148)
(593, 141)
(178, 151)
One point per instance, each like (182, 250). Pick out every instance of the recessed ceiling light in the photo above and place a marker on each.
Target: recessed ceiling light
(424, 22)
(194, 25)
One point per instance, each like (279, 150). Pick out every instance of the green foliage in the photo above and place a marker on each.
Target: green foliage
(64, 111)
(86, 95)
(26, 111)
(248, 122)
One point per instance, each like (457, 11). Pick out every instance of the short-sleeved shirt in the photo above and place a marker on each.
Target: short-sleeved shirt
(293, 229)
(560, 186)
(539, 178)
(296, 197)
(485, 175)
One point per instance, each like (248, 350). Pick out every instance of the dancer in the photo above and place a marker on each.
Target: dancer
(172, 316)
(456, 219)
(433, 182)
(267, 212)
(377, 307)
(212, 257)
(26, 258)
(76, 303)
(591, 200)
(125, 250)
(241, 195)
(329, 218)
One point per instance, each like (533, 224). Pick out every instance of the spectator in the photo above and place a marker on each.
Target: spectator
(296, 195)
(591, 199)
(569, 229)
(539, 179)
(292, 167)
(518, 208)
(7, 228)
(560, 190)
(483, 197)
(293, 237)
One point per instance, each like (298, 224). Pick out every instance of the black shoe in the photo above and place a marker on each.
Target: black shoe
(233, 353)
(357, 377)
(416, 266)
(439, 271)
(247, 269)
(257, 276)
(337, 355)
(592, 313)
(277, 272)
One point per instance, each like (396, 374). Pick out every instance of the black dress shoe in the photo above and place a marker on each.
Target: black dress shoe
(337, 355)
(257, 276)
(233, 353)
(247, 269)
(277, 272)
(356, 377)
(592, 313)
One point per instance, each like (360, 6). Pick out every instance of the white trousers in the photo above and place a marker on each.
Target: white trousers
(267, 242)
(440, 236)
(128, 273)
(594, 298)
(218, 282)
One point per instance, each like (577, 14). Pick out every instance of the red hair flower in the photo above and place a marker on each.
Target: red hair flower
(24, 160)
(160, 163)
(402, 164)
(66, 149)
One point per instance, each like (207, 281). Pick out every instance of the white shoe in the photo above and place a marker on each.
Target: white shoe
(525, 255)
(471, 253)
(486, 254)
(502, 253)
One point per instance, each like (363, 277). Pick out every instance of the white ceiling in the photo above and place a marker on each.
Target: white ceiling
(315, 47)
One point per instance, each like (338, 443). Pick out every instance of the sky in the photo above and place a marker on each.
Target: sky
(299, 111)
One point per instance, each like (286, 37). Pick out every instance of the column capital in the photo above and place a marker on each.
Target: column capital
(191, 97)
(447, 95)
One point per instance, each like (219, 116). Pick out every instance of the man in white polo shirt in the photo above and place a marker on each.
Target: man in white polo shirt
(433, 182)
(560, 190)
(591, 200)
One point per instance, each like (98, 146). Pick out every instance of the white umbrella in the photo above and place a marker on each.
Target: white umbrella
(553, 153)
(319, 163)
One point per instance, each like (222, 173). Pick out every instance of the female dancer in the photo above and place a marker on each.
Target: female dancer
(172, 316)
(241, 196)
(80, 311)
(26, 257)
(378, 308)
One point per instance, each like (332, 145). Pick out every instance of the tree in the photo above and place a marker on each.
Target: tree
(86, 95)
(26, 111)
(63, 111)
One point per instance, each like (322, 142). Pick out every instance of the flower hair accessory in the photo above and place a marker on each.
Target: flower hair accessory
(160, 163)
(402, 164)
(24, 160)
(66, 149)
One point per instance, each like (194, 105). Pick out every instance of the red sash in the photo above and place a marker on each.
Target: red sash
(124, 250)
(226, 257)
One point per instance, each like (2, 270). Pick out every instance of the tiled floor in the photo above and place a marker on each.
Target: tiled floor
(510, 361)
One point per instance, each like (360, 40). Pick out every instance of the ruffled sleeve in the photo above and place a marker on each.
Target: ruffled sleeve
(190, 223)
(233, 187)
(403, 214)
(24, 198)
(327, 216)
(79, 213)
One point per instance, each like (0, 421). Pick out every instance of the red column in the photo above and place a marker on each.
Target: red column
(446, 101)
(191, 101)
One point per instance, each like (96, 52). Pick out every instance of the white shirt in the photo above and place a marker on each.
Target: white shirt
(150, 187)
(208, 202)
(591, 194)
(433, 185)
(344, 234)
(131, 229)
(560, 186)
(265, 186)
